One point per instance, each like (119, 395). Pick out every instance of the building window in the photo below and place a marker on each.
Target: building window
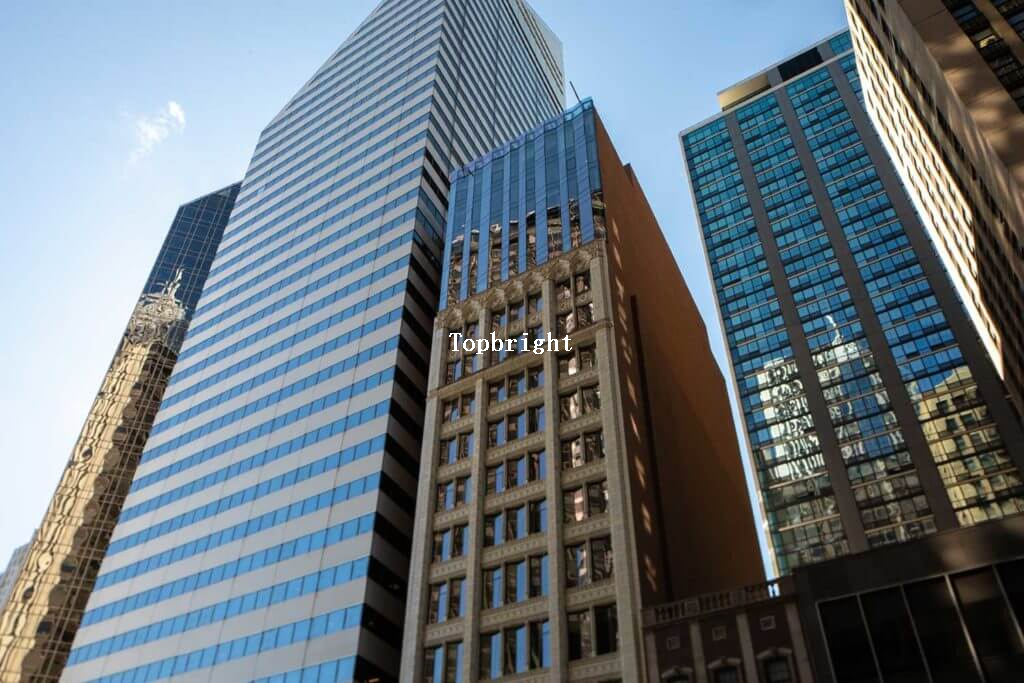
(726, 674)
(581, 283)
(583, 401)
(452, 494)
(580, 359)
(606, 630)
(447, 601)
(589, 562)
(515, 582)
(579, 634)
(582, 449)
(515, 523)
(459, 448)
(534, 304)
(518, 649)
(456, 408)
(450, 543)
(593, 633)
(443, 664)
(585, 501)
(776, 670)
(493, 591)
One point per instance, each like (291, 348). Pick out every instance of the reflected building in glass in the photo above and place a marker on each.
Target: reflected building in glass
(561, 492)
(872, 412)
(61, 563)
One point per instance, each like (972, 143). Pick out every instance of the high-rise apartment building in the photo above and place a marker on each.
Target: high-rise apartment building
(561, 492)
(266, 535)
(62, 562)
(944, 85)
(872, 412)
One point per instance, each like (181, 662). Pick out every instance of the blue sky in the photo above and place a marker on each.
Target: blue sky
(114, 113)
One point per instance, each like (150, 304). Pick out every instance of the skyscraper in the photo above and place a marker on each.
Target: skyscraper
(944, 84)
(11, 573)
(561, 492)
(872, 412)
(62, 561)
(266, 535)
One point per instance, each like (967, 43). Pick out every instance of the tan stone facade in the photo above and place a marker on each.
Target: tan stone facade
(607, 480)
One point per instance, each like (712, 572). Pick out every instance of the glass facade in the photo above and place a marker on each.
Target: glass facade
(959, 627)
(267, 529)
(61, 564)
(523, 204)
(865, 419)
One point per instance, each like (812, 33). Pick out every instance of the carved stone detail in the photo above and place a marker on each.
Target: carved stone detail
(499, 553)
(580, 474)
(437, 633)
(444, 570)
(494, 503)
(578, 531)
(511, 615)
(595, 668)
(449, 517)
(588, 595)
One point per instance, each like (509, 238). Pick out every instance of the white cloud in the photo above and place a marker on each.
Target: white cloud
(150, 131)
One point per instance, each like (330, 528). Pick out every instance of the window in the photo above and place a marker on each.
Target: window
(493, 592)
(490, 656)
(584, 401)
(726, 674)
(574, 507)
(563, 290)
(589, 562)
(579, 634)
(456, 408)
(538, 576)
(540, 645)
(494, 530)
(582, 282)
(597, 498)
(601, 553)
(534, 303)
(776, 670)
(446, 601)
(515, 472)
(606, 630)
(452, 494)
(450, 543)
(459, 448)
(580, 359)
(576, 565)
(518, 649)
(582, 449)
(538, 511)
(536, 419)
(515, 582)
(443, 664)
(515, 649)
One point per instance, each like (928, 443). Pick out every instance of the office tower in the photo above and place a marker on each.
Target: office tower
(10, 574)
(944, 85)
(872, 413)
(62, 562)
(561, 492)
(266, 535)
